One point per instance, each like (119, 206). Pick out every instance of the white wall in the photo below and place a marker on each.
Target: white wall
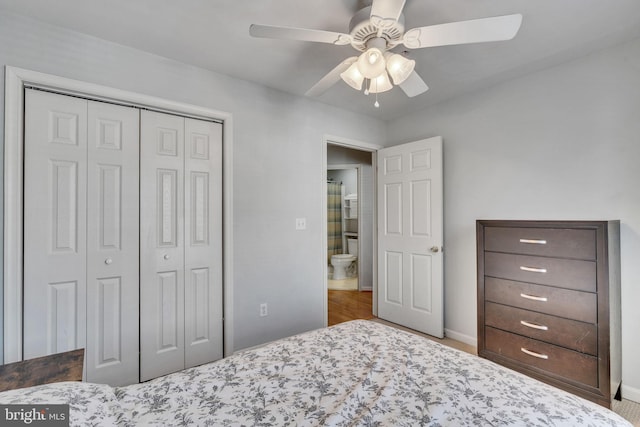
(563, 143)
(348, 177)
(277, 149)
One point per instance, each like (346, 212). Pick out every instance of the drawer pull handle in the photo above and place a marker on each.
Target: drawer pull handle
(533, 297)
(534, 241)
(533, 353)
(534, 325)
(533, 269)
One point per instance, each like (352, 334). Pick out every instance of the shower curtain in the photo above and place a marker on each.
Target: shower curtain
(334, 219)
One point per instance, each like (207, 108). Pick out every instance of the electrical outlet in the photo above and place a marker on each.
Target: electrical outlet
(301, 223)
(263, 309)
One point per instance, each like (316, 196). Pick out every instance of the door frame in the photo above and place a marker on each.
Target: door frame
(16, 79)
(360, 146)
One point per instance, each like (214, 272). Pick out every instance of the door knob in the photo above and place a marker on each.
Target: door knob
(434, 249)
(167, 256)
(108, 261)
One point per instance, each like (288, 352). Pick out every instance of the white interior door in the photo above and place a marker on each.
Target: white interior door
(162, 244)
(81, 233)
(122, 237)
(55, 218)
(203, 245)
(181, 242)
(112, 244)
(410, 235)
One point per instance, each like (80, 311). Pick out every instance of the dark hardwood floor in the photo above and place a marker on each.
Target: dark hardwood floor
(349, 305)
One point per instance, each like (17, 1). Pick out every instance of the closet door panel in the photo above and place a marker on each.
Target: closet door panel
(161, 244)
(112, 245)
(122, 237)
(54, 223)
(203, 246)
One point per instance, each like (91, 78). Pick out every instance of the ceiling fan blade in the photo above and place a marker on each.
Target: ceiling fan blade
(302, 34)
(414, 85)
(331, 78)
(385, 13)
(475, 31)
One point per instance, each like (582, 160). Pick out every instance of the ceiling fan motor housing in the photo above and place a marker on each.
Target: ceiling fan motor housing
(362, 30)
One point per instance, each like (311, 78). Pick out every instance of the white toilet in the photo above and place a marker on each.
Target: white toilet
(342, 262)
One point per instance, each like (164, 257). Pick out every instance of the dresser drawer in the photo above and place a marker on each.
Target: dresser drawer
(567, 333)
(549, 242)
(564, 273)
(548, 357)
(566, 303)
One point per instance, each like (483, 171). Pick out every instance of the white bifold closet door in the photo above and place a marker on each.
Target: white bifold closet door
(81, 228)
(181, 243)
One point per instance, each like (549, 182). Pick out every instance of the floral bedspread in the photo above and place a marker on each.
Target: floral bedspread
(358, 373)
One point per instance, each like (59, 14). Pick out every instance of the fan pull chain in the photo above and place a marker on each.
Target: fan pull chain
(367, 84)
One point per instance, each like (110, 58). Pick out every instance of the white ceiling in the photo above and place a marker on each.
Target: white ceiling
(214, 34)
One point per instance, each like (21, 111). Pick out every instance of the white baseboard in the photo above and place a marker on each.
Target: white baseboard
(630, 393)
(461, 337)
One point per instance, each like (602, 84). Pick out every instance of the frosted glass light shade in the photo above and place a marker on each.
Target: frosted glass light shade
(380, 83)
(399, 67)
(371, 63)
(353, 77)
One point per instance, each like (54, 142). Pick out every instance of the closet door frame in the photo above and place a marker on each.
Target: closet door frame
(16, 79)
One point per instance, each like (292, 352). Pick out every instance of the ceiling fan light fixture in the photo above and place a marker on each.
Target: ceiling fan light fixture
(380, 84)
(377, 28)
(353, 77)
(371, 63)
(399, 67)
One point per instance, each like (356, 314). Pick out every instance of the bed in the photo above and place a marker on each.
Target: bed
(358, 373)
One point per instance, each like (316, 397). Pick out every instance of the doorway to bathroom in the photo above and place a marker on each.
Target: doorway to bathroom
(343, 218)
(407, 211)
(350, 270)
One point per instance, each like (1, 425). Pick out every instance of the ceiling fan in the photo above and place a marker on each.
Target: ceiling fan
(375, 30)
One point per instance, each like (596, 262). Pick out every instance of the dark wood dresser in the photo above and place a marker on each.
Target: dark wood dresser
(549, 302)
